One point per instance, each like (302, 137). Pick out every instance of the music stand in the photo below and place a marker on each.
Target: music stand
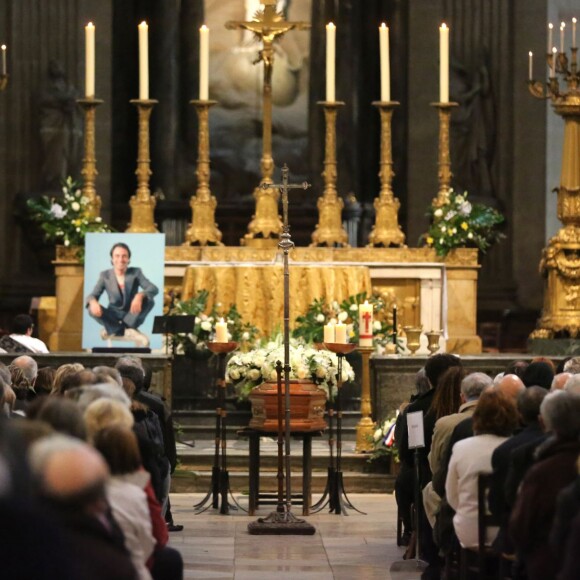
(171, 325)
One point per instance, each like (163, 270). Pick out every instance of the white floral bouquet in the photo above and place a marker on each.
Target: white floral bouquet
(247, 370)
(384, 441)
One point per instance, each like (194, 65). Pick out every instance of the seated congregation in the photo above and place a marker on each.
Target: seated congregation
(86, 457)
(499, 473)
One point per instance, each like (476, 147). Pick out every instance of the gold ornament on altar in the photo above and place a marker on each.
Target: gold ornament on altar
(560, 262)
(444, 160)
(413, 335)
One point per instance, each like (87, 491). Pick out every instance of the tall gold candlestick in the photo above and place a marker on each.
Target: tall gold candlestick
(365, 428)
(329, 230)
(386, 231)
(444, 162)
(3, 81)
(143, 203)
(203, 231)
(89, 170)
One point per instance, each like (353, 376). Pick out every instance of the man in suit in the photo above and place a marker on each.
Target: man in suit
(130, 298)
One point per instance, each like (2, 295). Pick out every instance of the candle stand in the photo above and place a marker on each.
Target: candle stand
(143, 203)
(3, 81)
(203, 231)
(220, 480)
(329, 229)
(89, 170)
(335, 495)
(444, 162)
(366, 426)
(386, 232)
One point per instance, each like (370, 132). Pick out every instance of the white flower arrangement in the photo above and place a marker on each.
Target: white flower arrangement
(247, 370)
(383, 441)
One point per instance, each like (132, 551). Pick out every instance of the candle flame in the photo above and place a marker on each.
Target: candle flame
(3, 47)
(444, 25)
(530, 53)
(204, 27)
(554, 50)
(383, 25)
(330, 25)
(550, 26)
(562, 25)
(90, 25)
(574, 20)
(143, 24)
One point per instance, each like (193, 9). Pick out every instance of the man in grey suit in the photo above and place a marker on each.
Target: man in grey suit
(130, 298)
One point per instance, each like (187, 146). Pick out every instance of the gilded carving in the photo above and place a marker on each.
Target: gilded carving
(89, 170)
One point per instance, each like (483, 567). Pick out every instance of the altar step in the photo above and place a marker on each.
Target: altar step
(194, 471)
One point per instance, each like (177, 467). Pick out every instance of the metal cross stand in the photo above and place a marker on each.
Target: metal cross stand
(220, 479)
(282, 521)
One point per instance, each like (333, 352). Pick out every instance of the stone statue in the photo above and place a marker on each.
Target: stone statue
(60, 129)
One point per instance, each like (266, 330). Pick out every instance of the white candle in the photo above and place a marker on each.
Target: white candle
(143, 61)
(444, 64)
(550, 32)
(4, 67)
(90, 60)
(221, 331)
(562, 30)
(329, 333)
(340, 333)
(385, 64)
(330, 61)
(574, 32)
(554, 56)
(530, 64)
(365, 324)
(203, 63)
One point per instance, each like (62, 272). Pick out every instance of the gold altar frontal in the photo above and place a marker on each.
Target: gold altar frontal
(251, 278)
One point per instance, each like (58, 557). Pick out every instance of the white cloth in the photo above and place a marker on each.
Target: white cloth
(131, 510)
(469, 458)
(34, 344)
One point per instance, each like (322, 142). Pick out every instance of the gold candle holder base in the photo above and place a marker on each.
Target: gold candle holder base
(386, 232)
(203, 231)
(222, 347)
(365, 428)
(266, 226)
(3, 82)
(89, 170)
(329, 230)
(143, 203)
(444, 162)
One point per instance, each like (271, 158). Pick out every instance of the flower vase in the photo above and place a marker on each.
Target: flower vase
(307, 404)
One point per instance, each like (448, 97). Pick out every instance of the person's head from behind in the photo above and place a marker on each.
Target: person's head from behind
(572, 365)
(528, 403)
(64, 416)
(44, 380)
(422, 384)
(118, 445)
(132, 368)
(495, 414)
(447, 397)
(511, 386)
(560, 415)
(539, 374)
(104, 413)
(516, 367)
(62, 372)
(572, 385)
(22, 324)
(105, 374)
(28, 368)
(437, 364)
(120, 257)
(559, 381)
(473, 385)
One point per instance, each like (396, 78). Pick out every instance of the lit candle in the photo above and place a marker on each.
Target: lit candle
(329, 333)
(203, 63)
(562, 30)
(530, 64)
(4, 68)
(340, 333)
(553, 63)
(330, 61)
(574, 32)
(221, 331)
(385, 63)
(550, 32)
(444, 64)
(90, 60)
(143, 61)
(365, 324)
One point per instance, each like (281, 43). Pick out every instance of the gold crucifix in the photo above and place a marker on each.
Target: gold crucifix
(267, 25)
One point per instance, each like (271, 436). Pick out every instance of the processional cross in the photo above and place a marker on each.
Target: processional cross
(267, 25)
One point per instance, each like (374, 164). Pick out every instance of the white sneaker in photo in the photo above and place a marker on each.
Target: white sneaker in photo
(137, 337)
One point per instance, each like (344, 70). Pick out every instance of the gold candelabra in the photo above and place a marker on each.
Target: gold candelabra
(386, 232)
(89, 170)
(203, 231)
(143, 203)
(444, 161)
(366, 426)
(329, 229)
(560, 262)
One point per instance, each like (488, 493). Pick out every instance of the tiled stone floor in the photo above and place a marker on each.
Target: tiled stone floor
(353, 547)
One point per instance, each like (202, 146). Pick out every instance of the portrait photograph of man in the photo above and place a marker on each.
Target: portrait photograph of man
(123, 289)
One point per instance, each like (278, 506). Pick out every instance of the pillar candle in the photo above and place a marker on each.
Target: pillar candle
(90, 60)
(340, 333)
(329, 333)
(385, 63)
(4, 67)
(562, 31)
(221, 331)
(550, 31)
(444, 64)
(574, 32)
(143, 61)
(365, 324)
(530, 64)
(203, 63)
(330, 61)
